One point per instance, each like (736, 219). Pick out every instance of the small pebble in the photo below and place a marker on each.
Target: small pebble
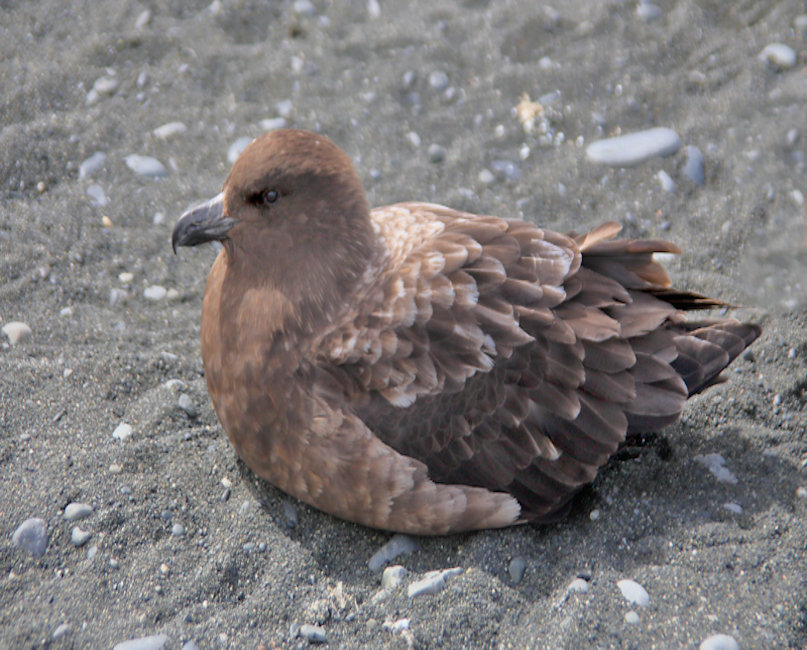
(648, 11)
(290, 515)
(122, 432)
(594, 515)
(92, 552)
(438, 80)
(105, 85)
(32, 535)
(305, 8)
(79, 537)
(155, 642)
(186, 404)
(273, 123)
(413, 138)
(778, 55)
(798, 197)
(125, 277)
(398, 545)
(117, 296)
(177, 530)
(632, 618)
(143, 19)
(801, 492)
(578, 586)
(145, 166)
(284, 107)
(68, 311)
(373, 9)
(736, 508)
(91, 165)
(155, 292)
(17, 332)
(169, 130)
(516, 569)
(97, 195)
(60, 631)
(716, 464)
(436, 153)
(693, 165)
(486, 177)
(106, 222)
(634, 592)
(667, 183)
(313, 633)
(506, 169)
(236, 148)
(719, 642)
(634, 148)
(115, 468)
(76, 511)
(433, 582)
(392, 577)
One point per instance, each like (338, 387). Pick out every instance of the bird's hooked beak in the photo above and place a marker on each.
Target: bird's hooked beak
(202, 223)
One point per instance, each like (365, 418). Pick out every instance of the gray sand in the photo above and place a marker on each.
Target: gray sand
(243, 573)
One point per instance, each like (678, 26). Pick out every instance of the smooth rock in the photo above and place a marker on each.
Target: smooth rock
(634, 592)
(77, 511)
(313, 633)
(273, 123)
(631, 618)
(398, 544)
(237, 147)
(32, 535)
(105, 85)
(778, 55)
(17, 332)
(169, 130)
(60, 631)
(634, 148)
(143, 19)
(186, 404)
(145, 166)
(648, 11)
(693, 165)
(719, 642)
(438, 80)
(516, 569)
(716, 464)
(79, 537)
(433, 582)
(578, 586)
(155, 642)
(97, 195)
(122, 432)
(667, 183)
(155, 292)
(91, 165)
(392, 577)
(436, 153)
(177, 530)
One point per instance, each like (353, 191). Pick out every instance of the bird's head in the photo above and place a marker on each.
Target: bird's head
(292, 214)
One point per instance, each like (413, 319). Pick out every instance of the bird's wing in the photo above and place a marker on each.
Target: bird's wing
(495, 354)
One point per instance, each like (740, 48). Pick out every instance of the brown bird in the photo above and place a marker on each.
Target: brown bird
(420, 369)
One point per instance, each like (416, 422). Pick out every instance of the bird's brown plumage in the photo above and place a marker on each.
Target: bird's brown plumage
(420, 369)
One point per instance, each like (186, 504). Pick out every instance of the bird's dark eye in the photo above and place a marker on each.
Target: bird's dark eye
(269, 196)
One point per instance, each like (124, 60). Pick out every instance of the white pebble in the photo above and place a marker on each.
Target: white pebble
(397, 545)
(578, 586)
(716, 464)
(801, 492)
(305, 7)
(518, 566)
(17, 332)
(632, 618)
(236, 148)
(438, 80)
(433, 582)
(313, 633)
(169, 130)
(634, 148)
(486, 177)
(145, 166)
(736, 508)
(125, 277)
(284, 108)
(155, 642)
(719, 642)
(413, 138)
(75, 511)
(143, 19)
(273, 123)
(65, 312)
(778, 55)
(594, 515)
(155, 292)
(91, 165)
(798, 197)
(32, 535)
(667, 183)
(634, 592)
(60, 631)
(97, 195)
(79, 537)
(105, 85)
(647, 11)
(373, 9)
(392, 577)
(122, 432)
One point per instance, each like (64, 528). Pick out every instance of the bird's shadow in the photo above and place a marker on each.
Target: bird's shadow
(651, 496)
